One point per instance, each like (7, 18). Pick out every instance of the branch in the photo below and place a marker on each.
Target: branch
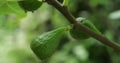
(81, 27)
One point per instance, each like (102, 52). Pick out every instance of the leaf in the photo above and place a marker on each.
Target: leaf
(7, 7)
(94, 3)
(65, 2)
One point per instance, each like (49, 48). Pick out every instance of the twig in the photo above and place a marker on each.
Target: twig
(81, 27)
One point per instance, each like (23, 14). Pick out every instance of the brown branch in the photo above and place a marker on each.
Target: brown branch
(81, 27)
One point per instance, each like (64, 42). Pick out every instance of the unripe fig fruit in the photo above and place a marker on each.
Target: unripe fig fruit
(45, 44)
(77, 34)
(30, 5)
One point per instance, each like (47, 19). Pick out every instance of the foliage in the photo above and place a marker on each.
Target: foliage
(18, 28)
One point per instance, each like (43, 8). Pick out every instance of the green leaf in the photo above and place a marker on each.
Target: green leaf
(65, 2)
(7, 7)
(94, 3)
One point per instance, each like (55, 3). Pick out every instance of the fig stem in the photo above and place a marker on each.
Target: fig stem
(81, 27)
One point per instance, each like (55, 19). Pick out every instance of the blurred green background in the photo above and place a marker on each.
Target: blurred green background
(18, 29)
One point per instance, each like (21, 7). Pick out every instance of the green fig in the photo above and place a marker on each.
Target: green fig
(45, 44)
(77, 34)
(30, 5)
